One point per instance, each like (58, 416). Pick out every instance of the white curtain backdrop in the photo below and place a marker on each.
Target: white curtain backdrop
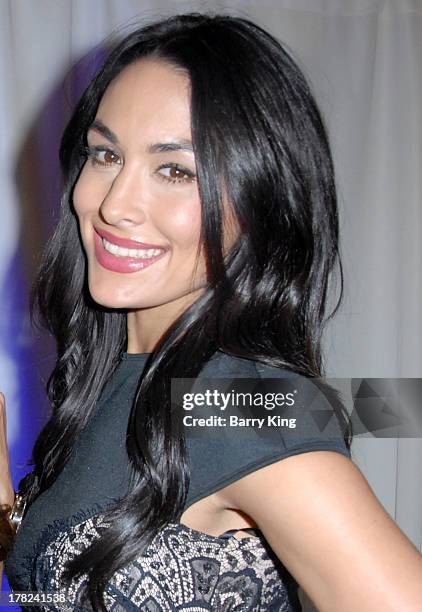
(364, 60)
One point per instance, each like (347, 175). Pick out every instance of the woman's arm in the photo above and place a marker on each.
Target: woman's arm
(322, 519)
(7, 493)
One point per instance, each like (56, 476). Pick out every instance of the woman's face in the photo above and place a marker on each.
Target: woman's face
(137, 197)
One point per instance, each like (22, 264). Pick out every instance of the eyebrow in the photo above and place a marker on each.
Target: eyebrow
(157, 147)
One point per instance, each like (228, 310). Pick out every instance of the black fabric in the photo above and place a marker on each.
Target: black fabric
(227, 454)
(98, 471)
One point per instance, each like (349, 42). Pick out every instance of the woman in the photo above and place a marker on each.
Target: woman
(198, 233)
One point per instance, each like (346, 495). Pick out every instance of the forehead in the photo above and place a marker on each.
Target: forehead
(149, 94)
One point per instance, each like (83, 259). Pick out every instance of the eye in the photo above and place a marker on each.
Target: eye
(101, 156)
(174, 173)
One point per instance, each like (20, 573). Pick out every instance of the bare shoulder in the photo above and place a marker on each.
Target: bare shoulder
(324, 522)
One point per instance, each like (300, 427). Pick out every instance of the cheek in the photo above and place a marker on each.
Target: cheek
(177, 216)
(182, 225)
(81, 194)
(87, 194)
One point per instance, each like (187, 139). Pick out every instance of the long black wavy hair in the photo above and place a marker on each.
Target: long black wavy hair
(256, 132)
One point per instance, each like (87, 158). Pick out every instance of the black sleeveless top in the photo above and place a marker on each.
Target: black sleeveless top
(182, 568)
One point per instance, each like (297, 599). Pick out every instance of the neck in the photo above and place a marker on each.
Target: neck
(146, 326)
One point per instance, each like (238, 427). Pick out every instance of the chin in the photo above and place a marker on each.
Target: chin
(105, 295)
(108, 301)
(114, 299)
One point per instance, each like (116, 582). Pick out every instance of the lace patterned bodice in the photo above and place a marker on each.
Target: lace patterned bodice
(181, 569)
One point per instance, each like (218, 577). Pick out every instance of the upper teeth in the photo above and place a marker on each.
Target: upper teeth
(122, 252)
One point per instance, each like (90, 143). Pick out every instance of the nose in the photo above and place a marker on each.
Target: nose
(124, 202)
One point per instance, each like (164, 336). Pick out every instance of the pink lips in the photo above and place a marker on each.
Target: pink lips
(123, 264)
(125, 242)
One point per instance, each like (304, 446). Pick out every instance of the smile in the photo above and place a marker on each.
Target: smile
(122, 252)
(123, 259)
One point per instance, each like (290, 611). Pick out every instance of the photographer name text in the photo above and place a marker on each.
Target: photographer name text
(236, 421)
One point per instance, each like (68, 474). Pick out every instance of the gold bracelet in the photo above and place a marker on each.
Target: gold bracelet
(17, 511)
(10, 518)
